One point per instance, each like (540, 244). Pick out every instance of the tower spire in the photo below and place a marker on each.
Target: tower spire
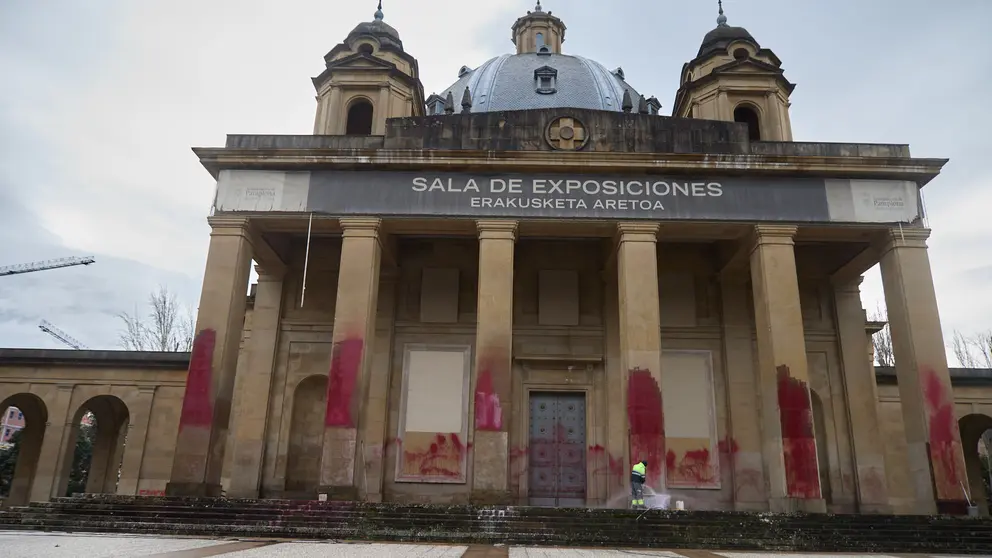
(721, 19)
(378, 13)
(538, 7)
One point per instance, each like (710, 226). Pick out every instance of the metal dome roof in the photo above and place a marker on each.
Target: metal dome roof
(510, 82)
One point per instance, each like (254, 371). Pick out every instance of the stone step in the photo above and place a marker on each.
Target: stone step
(507, 525)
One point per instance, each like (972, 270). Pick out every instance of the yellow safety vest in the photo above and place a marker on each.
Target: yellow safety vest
(640, 469)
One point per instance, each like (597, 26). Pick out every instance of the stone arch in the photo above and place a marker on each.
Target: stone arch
(111, 418)
(972, 427)
(820, 437)
(747, 113)
(29, 446)
(306, 435)
(360, 117)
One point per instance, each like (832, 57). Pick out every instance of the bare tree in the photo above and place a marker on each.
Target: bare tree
(882, 341)
(973, 351)
(167, 327)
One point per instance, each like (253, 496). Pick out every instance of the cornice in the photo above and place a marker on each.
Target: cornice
(920, 169)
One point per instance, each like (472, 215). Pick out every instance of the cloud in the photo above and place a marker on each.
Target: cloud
(103, 100)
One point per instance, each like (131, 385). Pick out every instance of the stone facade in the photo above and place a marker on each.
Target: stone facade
(623, 286)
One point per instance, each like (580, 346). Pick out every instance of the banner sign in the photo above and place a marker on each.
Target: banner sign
(568, 196)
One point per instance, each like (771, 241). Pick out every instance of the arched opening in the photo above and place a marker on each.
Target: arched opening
(306, 435)
(820, 434)
(747, 115)
(540, 40)
(360, 118)
(976, 442)
(19, 455)
(96, 446)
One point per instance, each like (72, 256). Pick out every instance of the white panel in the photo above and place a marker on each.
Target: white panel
(687, 394)
(253, 190)
(872, 201)
(435, 386)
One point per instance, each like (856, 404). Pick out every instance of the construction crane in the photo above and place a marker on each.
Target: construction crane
(45, 265)
(60, 335)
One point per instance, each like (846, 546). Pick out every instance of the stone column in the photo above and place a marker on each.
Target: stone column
(933, 441)
(54, 459)
(351, 356)
(140, 409)
(787, 415)
(493, 362)
(254, 386)
(203, 423)
(862, 400)
(640, 345)
(743, 444)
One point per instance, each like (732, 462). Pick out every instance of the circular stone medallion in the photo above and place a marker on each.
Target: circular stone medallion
(566, 133)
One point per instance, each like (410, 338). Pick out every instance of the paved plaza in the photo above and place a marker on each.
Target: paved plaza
(20, 544)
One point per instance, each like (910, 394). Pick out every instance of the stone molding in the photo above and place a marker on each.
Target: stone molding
(360, 227)
(782, 235)
(904, 237)
(497, 229)
(268, 274)
(850, 287)
(229, 226)
(638, 232)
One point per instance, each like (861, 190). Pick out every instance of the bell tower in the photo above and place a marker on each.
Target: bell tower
(733, 79)
(368, 78)
(539, 32)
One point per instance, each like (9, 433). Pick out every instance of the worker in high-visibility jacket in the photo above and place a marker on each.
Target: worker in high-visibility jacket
(638, 476)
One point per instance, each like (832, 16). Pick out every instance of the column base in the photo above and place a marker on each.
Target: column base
(194, 489)
(952, 507)
(491, 498)
(875, 509)
(338, 493)
(797, 505)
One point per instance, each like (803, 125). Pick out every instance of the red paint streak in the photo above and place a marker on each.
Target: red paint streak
(488, 412)
(945, 438)
(728, 446)
(518, 464)
(436, 461)
(798, 442)
(197, 405)
(694, 469)
(749, 479)
(151, 493)
(607, 465)
(646, 420)
(346, 362)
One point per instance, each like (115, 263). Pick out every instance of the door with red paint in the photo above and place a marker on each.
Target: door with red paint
(557, 456)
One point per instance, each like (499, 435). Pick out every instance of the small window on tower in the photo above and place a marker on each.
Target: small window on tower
(360, 118)
(749, 116)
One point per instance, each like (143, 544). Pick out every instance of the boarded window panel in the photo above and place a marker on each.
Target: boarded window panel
(439, 296)
(690, 419)
(434, 428)
(435, 391)
(558, 297)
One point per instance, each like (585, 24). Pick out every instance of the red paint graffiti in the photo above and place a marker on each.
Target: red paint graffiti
(728, 446)
(646, 420)
(443, 458)
(798, 442)
(197, 404)
(346, 362)
(607, 465)
(693, 470)
(945, 438)
(488, 412)
(145, 492)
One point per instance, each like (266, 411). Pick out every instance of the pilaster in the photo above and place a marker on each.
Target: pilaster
(935, 457)
(787, 416)
(493, 362)
(351, 355)
(253, 387)
(861, 393)
(140, 410)
(744, 444)
(203, 423)
(640, 345)
(52, 459)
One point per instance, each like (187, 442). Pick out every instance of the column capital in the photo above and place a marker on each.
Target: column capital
(852, 286)
(266, 273)
(775, 234)
(905, 237)
(638, 231)
(496, 229)
(228, 226)
(361, 227)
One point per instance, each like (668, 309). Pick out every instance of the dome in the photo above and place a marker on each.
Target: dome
(720, 38)
(539, 81)
(385, 33)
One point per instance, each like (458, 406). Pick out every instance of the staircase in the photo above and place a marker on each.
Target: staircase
(519, 526)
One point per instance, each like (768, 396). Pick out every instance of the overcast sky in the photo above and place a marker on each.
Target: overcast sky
(102, 100)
